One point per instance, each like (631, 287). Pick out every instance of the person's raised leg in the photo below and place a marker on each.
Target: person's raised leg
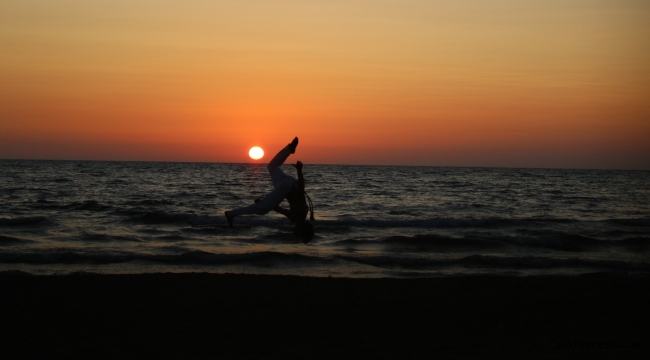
(281, 156)
(277, 175)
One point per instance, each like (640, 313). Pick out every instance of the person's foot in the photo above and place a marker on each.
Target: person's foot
(294, 145)
(229, 219)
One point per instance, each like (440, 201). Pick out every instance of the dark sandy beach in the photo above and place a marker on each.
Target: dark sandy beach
(208, 316)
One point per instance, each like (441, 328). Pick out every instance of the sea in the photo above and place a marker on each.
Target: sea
(77, 217)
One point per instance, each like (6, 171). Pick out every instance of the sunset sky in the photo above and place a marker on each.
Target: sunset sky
(536, 83)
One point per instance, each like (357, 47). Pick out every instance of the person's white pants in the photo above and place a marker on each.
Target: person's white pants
(282, 186)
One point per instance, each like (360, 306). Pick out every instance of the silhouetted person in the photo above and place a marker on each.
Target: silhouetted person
(288, 187)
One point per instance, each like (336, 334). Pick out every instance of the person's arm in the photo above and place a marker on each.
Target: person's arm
(301, 179)
(278, 209)
(281, 210)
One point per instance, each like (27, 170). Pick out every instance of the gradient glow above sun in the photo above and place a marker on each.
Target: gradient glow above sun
(539, 83)
(256, 153)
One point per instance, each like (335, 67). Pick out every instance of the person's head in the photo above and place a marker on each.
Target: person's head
(304, 230)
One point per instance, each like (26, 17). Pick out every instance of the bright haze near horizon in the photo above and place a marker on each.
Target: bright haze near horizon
(539, 83)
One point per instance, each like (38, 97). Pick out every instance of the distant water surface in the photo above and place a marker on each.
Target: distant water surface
(372, 221)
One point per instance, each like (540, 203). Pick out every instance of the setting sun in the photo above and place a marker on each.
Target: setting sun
(256, 153)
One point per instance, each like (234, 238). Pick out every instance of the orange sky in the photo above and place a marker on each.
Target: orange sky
(553, 83)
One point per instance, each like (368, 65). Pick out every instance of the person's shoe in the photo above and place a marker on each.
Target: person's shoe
(229, 219)
(293, 145)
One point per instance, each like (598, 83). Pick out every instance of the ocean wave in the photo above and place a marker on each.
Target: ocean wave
(8, 240)
(578, 243)
(88, 205)
(643, 221)
(345, 223)
(157, 217)
(440, 223)
(23, 221)
(202, 220)
(271, 259)
(276, 221)
(499, 262)
(425, 243)
(210, 230)
(404, 212)
(92, 237)
(470, 222)
(9, 190)
(438, 243)
(418, 223)
(150, 202)
(172, 237)
(256, 259)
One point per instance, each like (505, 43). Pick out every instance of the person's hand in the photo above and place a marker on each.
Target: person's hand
(298, 165)
(257, 200)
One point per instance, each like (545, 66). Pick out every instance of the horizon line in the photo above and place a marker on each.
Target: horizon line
(328, 164)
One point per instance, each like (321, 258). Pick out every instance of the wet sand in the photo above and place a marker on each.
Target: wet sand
(209, 316)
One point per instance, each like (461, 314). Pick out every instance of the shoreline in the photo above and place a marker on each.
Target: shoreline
(201, 315)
